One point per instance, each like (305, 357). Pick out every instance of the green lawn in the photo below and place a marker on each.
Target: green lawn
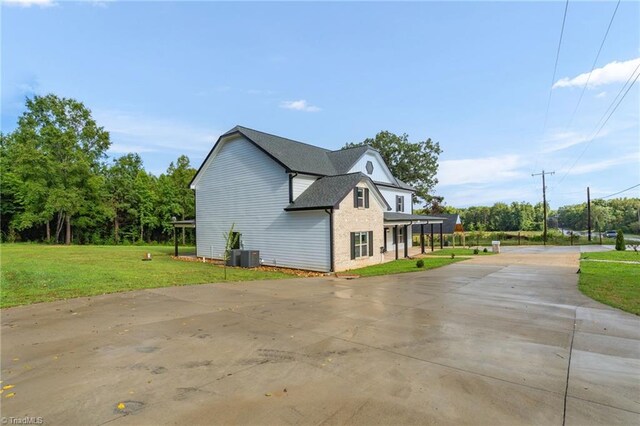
(401, 266)
(33, 273)
(614, 284)
(458, 252)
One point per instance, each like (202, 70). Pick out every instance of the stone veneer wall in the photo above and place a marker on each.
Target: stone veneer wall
(347, 219)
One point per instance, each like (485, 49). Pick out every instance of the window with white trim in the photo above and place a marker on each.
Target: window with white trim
(399, 203)
(361, 244)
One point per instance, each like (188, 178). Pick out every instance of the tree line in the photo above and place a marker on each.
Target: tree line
(615, 214)
(58, 187)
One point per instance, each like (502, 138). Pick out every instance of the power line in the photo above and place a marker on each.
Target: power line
(555, 67)
(595, 61)
(620, 192)
(606, 120)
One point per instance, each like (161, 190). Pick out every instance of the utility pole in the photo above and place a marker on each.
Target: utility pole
(589, 213)
(544, 203)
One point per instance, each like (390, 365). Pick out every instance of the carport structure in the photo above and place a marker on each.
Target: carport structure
(399, 224)
(182, 224)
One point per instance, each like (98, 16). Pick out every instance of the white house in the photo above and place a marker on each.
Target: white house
(300, 205)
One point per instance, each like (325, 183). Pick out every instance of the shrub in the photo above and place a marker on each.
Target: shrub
(453, 255)
(620, 241)
(476, 251)
(420, 263)
(485, 250)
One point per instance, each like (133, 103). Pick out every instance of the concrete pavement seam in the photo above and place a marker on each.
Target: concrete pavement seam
(566, 389)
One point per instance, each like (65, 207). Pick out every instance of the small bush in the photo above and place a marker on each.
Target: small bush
(485, 250)
(620, 241)
(453, 255)
(420, 263)
(476, 251)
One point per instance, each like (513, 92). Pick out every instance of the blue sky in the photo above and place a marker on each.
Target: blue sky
(166, 78)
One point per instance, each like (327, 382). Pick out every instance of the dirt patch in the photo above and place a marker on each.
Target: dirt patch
(289, 271)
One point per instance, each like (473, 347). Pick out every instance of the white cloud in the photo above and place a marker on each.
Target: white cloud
(123, 148)
(148, 134)
(29, 3)
(481, 195)
(603, 165)
(601, 95)
(562, 140)
(613, 72)
(265, 92)
(300, 105)
(497, 169)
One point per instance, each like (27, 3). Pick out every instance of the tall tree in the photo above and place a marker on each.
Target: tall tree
(59, 148)
(180, 176)
(121, 181)
(415, 163)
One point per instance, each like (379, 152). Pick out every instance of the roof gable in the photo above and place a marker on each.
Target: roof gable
(327, 192)
(300, 157)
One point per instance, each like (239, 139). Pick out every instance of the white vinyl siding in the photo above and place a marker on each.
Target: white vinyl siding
(389, 195)
(380, 171)
(243, 186)
(301, 183)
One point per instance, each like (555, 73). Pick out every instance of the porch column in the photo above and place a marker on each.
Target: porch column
(395, 239)
(175, 241)
(432, 242)
(406, 241)
(384, 233)
(441, 246)
(422, 238)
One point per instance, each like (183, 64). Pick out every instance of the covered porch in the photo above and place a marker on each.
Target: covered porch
(397, 227)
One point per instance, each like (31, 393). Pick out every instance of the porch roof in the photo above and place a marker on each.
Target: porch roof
(396, 218)
(191, 223)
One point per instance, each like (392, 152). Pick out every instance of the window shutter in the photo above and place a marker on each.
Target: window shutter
(355, 197)
(370, 243)
(353, 245)
(366, 198)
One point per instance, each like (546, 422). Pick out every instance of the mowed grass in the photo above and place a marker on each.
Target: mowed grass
(459, 252)
(614, 284)
(34, 273)
(401, 266)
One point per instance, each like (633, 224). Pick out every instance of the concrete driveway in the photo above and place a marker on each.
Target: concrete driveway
(494, 340)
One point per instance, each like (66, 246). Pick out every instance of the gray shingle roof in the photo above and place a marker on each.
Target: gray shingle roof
(344, 159)
(448, 226)
(304, 158)
(405, 217)
(328, 191)
(295, 156)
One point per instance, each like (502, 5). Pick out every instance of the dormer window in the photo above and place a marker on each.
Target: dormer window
(399, 203)
(361, 197)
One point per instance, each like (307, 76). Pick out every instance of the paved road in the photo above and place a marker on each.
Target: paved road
(486, 341)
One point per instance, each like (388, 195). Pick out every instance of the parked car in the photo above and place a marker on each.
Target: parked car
(610, 234)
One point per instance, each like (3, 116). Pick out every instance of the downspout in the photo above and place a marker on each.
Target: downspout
(291, 176)
(330, 213)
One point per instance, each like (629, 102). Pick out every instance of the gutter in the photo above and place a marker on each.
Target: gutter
(291, 176)
(331, 256)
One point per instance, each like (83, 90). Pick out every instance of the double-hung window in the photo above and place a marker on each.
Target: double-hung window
(361, 244)
(361, 197)
(399, 203)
